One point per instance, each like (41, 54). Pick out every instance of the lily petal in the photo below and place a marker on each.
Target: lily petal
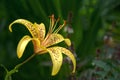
(41, 31)
(53, 39)
(57, 58)
(68, 42)
(27, 24)
(22, 45)
(69, 54)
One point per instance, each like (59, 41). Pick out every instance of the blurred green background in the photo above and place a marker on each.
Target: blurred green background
(92, 25)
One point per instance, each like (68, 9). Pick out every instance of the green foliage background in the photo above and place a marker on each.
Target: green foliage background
(90, 19)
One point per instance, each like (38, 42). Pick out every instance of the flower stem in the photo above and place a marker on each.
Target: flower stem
(17, 66)
(9, 73)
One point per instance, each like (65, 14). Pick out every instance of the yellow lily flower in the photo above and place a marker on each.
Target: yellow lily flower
(43, 43)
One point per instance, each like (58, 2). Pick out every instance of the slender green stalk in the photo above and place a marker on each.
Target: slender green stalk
(9, 73)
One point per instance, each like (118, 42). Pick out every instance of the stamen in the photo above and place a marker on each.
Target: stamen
(60, 27)
(51, 30)
(52, 20)
(55, 24)
(50, 27)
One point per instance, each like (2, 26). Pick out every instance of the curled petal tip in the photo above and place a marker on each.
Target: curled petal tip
(10, 28)
(73, 70)
(19, 56)
(53, 74)
(68, 42)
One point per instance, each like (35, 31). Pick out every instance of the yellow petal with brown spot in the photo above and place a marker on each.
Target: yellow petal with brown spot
(53, 39)
(57, 59)
(27, 24)
(70, 55)
(41, 31)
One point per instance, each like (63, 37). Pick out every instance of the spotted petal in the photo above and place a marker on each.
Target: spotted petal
(53, 39)
(56, 56)
(27, 24)
(22, 45)
(70, 55)
(41, 31)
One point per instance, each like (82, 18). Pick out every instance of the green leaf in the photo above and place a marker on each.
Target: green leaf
(102, 64)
